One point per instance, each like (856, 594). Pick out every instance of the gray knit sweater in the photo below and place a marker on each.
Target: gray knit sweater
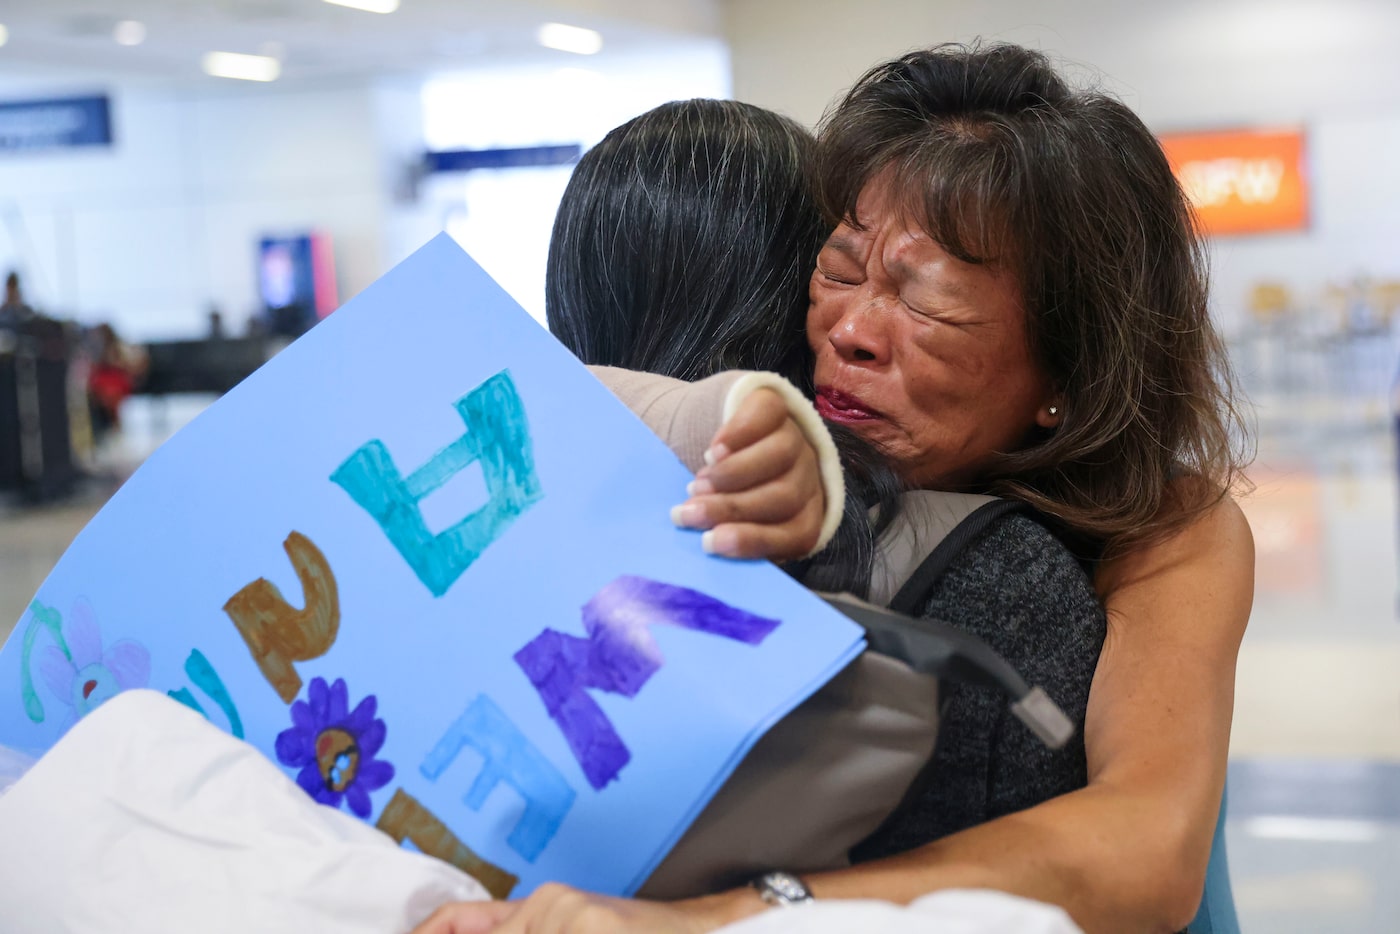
(1021, 590)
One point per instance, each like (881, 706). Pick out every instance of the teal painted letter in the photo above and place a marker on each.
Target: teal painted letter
(498, 436)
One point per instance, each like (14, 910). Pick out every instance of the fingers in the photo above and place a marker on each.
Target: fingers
(762, 461)
(761, 495)
(776, 542)
(467, 918)
(779, 520)
(559, 909)
(772, 503)
(761, 413)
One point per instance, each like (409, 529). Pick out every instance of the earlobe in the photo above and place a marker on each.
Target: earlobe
(1049, 416)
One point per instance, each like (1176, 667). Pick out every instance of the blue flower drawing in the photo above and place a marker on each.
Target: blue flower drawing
(80, 673)
(335, 747)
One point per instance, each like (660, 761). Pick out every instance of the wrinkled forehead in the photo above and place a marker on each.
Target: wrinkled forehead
(955, 206)
(960, 180)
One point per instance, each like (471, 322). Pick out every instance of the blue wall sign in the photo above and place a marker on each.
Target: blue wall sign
(463, 160)
(55, 123)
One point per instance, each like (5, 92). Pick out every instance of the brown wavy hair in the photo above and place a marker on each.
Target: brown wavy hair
(1000, 161)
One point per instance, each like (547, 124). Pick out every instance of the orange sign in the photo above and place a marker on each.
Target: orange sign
(1243, 181)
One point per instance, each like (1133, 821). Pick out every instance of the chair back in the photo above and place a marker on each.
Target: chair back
(1217, 912)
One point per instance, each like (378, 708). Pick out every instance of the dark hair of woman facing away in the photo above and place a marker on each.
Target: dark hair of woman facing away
(683, 246)
(684, 242)
(1001, 162)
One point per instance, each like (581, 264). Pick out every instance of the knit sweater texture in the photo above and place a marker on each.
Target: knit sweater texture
(1020, 589)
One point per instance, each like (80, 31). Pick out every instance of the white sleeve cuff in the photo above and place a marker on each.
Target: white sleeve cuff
(814, 430)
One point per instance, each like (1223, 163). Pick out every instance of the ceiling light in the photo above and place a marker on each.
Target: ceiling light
(369, 6)
(129, 32)
(245, 67)
(4, 34)
(570, 38)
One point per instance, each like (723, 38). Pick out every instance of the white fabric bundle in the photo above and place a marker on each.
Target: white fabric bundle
(147, 818)
(144, 817)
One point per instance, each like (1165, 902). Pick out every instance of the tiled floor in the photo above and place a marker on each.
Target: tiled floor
(1314, 829)
(1314, 844)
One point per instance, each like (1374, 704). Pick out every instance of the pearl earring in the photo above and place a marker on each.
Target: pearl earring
(1054, 410)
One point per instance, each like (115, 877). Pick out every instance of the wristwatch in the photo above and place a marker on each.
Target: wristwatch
(782, 888)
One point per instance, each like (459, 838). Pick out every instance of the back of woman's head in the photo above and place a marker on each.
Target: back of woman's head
(684, 241)
(683, 246)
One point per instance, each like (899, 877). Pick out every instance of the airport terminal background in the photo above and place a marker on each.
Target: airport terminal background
(223, 216)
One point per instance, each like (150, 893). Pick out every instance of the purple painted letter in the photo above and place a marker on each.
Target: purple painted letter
(619, 656)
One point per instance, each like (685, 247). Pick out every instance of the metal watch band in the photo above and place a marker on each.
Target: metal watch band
(782, 888)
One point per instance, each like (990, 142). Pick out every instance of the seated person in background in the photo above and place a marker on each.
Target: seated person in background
(1014, 302)
(112, 376)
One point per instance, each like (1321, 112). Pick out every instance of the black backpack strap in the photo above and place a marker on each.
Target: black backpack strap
(914, 594)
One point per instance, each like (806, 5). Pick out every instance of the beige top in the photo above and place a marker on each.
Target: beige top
(684, 415)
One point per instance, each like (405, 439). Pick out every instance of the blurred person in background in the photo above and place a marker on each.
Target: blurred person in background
(15, 312)
(114, 372)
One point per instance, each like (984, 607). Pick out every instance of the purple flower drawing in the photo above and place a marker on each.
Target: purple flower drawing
(335, 747)
(81, 674)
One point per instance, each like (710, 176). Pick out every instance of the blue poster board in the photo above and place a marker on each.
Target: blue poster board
(423, 560)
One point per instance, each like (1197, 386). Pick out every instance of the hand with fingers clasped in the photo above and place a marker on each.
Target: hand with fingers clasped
(560, 909)
(760, 494)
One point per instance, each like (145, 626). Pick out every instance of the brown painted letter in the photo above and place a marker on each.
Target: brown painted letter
(276, 632)
(404, 818)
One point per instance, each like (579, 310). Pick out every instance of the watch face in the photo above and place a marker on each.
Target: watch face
(783, 888)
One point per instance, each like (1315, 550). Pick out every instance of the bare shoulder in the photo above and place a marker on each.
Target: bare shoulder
(1199, 581)
(1218, 535)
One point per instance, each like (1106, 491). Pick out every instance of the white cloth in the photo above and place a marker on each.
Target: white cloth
(147, 818)
(957, 911)
(13, 765)
(144, 817)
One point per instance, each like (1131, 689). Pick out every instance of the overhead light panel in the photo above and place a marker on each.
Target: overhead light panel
(369, 6)
(574, 39)
(4, 34)
(129, 32)
(243, 67)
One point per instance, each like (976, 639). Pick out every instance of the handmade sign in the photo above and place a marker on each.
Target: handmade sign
(423, 560)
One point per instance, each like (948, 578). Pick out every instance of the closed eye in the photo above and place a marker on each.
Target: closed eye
(838, 277)
(919, 311)
(953, 317)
